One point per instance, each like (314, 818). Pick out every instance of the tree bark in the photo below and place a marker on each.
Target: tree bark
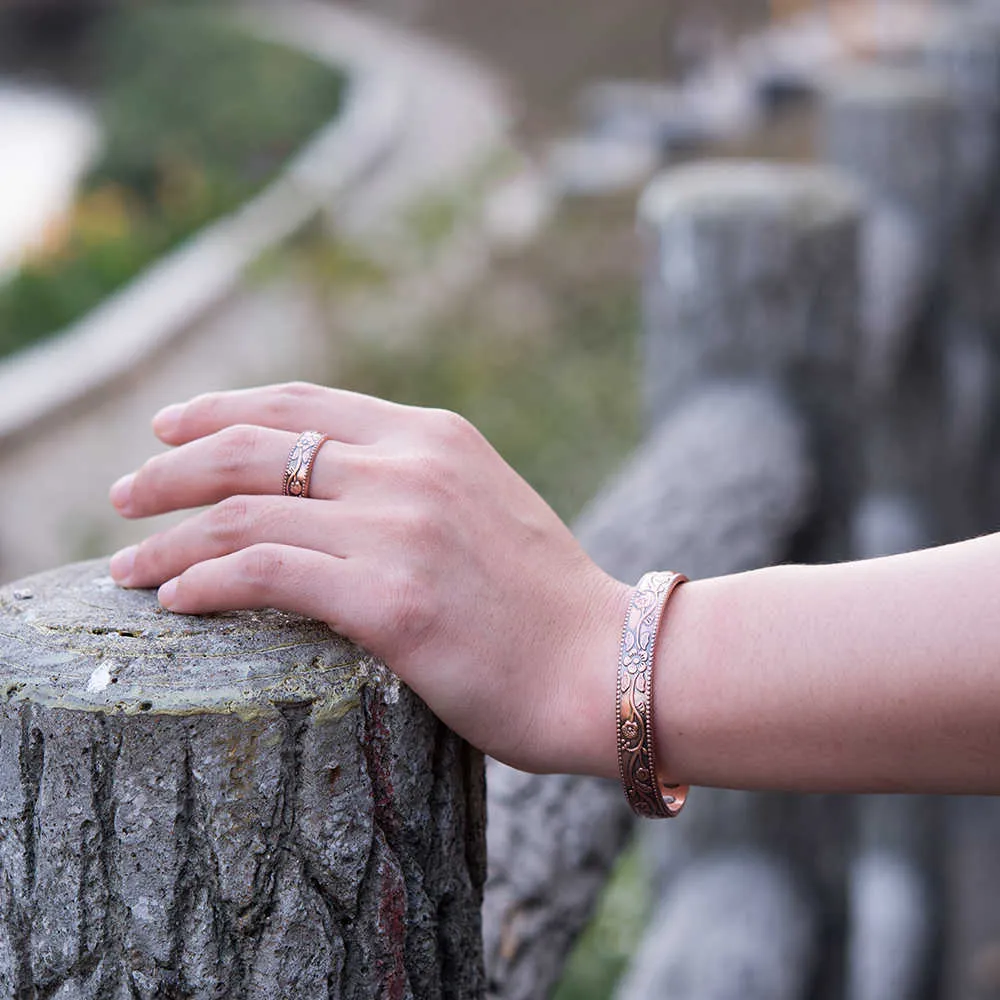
(240, 806)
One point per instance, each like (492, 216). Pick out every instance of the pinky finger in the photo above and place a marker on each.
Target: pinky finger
(296, 580)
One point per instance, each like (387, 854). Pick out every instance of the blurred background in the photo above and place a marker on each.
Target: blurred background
(430, 200)
(471, 245)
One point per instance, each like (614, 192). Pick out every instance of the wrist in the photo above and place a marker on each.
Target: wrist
(590, 744)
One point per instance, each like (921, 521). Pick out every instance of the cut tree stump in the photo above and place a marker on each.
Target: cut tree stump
(240, 806)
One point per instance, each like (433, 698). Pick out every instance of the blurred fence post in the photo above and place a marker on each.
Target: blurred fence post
(753, 274)
(723, 485)
(241, 806)
(726, 481)
(751, 271)
(892, 128)
(920, 133)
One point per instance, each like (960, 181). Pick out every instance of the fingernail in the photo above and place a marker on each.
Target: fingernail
(167, 593)
(121, 492)
(168, 419)
(122, 564)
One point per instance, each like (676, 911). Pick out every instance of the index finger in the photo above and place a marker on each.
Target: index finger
(294, 406)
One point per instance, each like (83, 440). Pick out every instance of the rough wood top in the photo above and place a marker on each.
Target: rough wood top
(71, 638)
(803, 197)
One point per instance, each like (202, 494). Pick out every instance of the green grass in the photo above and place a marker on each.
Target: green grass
(197, 115)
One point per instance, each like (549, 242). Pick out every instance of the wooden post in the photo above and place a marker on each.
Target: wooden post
(753, 277)
(751, 303)
(931, 395)
(892, 130)
(752, 271)
(241, 806)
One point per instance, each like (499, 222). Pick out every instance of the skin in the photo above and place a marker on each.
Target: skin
(422, 545)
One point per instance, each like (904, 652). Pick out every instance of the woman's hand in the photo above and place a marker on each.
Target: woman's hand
(418, 542)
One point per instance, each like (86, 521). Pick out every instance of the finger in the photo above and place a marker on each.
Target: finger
(300, 581)
(241, 460)
(236, 523)
(295, 406)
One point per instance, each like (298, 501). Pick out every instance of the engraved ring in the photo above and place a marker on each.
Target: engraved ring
(301, 459)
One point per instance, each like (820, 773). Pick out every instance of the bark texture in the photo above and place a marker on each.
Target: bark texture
(242, 806)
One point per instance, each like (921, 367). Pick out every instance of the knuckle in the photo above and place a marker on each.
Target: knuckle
(148, 478)
(299, 389)
(410, 527)
(420, 525)
(235, 447)
(202, 410)
(427, 474)
(149, 557)
(286, 400)
(262, 566)
(422, 467)
(228, 521)
(449, 428)
(409, 603)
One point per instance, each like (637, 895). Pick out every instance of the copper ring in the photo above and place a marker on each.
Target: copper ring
(647, 794)
(301, 459)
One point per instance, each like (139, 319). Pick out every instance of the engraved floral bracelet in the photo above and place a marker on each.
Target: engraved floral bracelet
(646, 793)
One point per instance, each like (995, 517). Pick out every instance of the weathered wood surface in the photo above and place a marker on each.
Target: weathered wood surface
(241, 806)
(750, 269)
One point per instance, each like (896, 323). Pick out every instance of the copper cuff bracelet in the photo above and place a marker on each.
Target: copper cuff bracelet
(646, 793)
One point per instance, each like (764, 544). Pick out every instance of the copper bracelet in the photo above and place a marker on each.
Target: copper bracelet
(647, 794)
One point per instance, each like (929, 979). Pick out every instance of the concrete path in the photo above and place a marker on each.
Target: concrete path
(454, 114)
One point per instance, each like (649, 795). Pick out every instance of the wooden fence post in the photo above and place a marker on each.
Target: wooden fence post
(929, 250)
(751, 271)
(752, 276)
(892, 129)
(241, 806)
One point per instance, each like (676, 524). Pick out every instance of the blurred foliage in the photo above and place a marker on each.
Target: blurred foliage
(197, 115)
(432, 219)
(322, 261)
(606, 946)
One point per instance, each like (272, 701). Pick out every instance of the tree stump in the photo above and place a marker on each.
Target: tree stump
(240, 806)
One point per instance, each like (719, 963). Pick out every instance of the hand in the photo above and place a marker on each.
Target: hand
(418, 542)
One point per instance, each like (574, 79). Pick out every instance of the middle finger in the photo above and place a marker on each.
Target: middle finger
(239, 460)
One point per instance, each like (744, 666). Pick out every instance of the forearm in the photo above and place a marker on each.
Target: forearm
(875, 676)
